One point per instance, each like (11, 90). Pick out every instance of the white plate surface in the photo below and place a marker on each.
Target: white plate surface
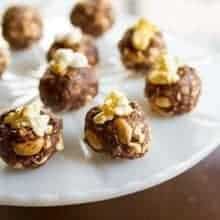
(78, 175)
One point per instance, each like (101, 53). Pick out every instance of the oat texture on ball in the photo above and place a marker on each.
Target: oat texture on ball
(118, 127)
(22, 26)
(71, 80)
(171, 88)
(141, 45)
(94, 17)
(29, 136)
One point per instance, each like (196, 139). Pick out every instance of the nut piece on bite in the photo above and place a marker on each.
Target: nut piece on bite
(22, 26)
(77, 42)
(4, 55)
(172, 89)
(29, 136)
(141, 45)
(69, 82)
(94, 17)
(118, 127)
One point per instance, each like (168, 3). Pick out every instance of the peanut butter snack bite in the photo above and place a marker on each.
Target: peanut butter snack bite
(22, 26)
(172, 89)
(117, 127)
(94, 17)
(29, 136)
(77, 42)
(69, 81)
(141, 45)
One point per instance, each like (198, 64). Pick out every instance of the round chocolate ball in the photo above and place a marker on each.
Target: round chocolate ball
(70, 91)
(121, 136)
(94, 17)
(140, 46)
(27, 141)
(22, 26)
(175, 98)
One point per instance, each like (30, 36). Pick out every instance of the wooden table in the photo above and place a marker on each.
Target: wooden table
(194, 195)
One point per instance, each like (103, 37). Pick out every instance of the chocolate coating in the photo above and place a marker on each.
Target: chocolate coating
(86, 47)
(69, 91)
(140, 60)
(94, 17)
(182, 96)
(22, 26)
(123, 137)
(10, 136)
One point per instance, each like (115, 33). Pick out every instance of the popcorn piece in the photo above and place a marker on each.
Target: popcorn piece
(164, 71)
(143, 33)
(115, 103)
(29, 116)
(65, 58)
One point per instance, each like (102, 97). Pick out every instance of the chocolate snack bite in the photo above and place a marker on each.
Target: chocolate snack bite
(69, 82)
(29, 136)
(140, 46)
(4, 55)
(172, 89)
(77, 42)
(118, 128)
(94, 17)
(22, 26)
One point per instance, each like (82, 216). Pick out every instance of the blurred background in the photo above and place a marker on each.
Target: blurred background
(197, 20)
